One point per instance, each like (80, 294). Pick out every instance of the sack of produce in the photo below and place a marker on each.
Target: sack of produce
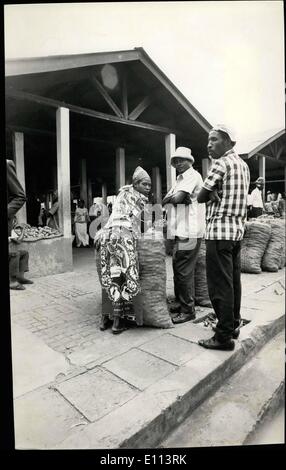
(201, 285)
(273, 256)
(151, 302)
(256, 238)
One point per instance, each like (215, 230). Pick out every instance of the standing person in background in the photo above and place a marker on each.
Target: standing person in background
(18, 259)
(225, 191)
(187, 218)
(268, 196)
(53, 213)
(81, 219)
(282, 205)
(256, 198)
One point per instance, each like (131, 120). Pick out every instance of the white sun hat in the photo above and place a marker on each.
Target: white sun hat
(183, 152)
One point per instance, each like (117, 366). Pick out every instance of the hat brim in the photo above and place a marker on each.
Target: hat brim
(191, 159)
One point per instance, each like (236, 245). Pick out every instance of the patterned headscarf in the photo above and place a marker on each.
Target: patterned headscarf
(139, 174)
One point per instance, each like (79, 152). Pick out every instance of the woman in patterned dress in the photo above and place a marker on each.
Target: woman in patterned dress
(117, 249)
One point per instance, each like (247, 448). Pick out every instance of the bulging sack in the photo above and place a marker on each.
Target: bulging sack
(275, 250)
(201, 285)
(151, 302)
(256, 238)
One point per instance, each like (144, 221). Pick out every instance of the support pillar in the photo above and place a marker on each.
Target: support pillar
(157, 185)
(170, 147)
(104, 193)
(83, 180)
(206, 164)
(120, 168)
(262, 162)
(19, 158)
(63, 160)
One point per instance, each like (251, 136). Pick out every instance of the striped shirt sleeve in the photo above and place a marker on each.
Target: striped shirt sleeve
(215, 175)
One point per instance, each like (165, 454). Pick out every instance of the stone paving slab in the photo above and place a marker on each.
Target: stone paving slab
(96, 393)
(139, 368)
(172, 349)
(55, 419)
(192, 332)
(106, 346)
(34, 363)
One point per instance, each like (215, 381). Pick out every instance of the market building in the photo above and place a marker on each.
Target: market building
(82, 123)
(268, 160)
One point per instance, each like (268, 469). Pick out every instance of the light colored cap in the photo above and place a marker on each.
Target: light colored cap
(260, 180)
(183, 152)
(139, 174)
(226, 130)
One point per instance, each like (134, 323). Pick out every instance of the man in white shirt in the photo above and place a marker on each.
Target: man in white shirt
(256, 198)
(186, 222)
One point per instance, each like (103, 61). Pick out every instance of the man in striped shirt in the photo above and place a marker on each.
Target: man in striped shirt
(225, 191)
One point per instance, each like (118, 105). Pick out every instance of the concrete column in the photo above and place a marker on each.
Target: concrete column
(157, 185)
(19, 158)
(83, 180)
(89, 193)
(104, 193)
(120, 168)
(170, 147)
(206, 164)
(63, 160)
(262, 162)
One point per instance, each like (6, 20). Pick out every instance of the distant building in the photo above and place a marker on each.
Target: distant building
(268, 159)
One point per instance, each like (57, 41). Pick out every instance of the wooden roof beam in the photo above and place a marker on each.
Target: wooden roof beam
(124, 94)
(140, 108)
(106, 96)
(89, 112)
(64, 62)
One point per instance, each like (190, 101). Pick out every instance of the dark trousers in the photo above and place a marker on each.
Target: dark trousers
(256, 212)
(18, 263)
(185, 255)
(224, 285)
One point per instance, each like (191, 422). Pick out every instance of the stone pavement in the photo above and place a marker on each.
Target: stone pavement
(78, 387)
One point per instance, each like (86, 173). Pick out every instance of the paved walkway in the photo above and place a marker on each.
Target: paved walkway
(69, 376)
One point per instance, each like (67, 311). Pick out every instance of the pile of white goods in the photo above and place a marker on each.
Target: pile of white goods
(33, 234)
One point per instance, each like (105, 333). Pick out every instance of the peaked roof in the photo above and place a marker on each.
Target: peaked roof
(253, 143)
(35, 65)
(267, 142)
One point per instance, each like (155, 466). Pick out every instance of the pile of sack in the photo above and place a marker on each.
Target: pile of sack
(151, 301)
(263, 245)
(201, 285)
